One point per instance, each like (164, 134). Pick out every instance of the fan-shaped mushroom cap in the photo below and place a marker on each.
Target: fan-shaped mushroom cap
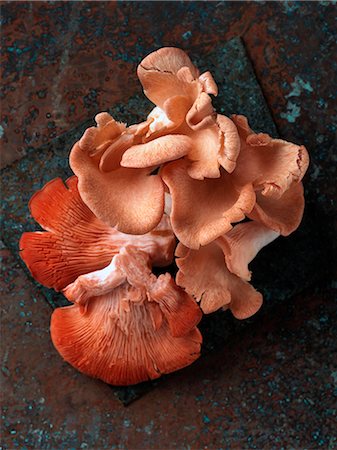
(156, 152)
(140, 329)
(76, 242)
(172, 82)
(207, 149)
(129, 199)
(273, 165)
(204, 210)
(282, 215)
(230, 145)
(204, 275)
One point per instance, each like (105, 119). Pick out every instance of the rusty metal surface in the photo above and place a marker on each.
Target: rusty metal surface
(276, 279)
(269, 386)
(269, 383)
(65, 61)
(237, 86)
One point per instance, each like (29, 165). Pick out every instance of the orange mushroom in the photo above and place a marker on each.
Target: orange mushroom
(184, 172)
(184, 107)
(204, 210)
(128, 199)
(273, 165)
(204, 275)
(172, 82)
(126, 325)
(276, 168)
(206, 150)
(116, 162)
(216, 275)
(76, 242)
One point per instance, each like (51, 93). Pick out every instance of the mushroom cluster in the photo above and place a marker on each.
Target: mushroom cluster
(187, 184)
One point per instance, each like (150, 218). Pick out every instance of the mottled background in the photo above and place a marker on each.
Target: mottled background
(271, 383)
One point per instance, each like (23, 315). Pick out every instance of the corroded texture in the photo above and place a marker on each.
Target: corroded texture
(277, 279)
(90, 52)
(51, 160)
(268, 382)
(308, 246)
(268, 386)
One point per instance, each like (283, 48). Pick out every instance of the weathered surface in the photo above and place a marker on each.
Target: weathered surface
(298, 256)
(65, 61)
(263, 383)
(301, 259)
(270, 385)
(51, 160)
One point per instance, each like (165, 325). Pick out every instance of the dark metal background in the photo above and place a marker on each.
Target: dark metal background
(264, 383)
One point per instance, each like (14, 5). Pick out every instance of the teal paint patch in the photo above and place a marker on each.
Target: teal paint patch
(290, 6)
(149, 428)
(322, 103)
(298, 86)
(186, 35)
(328, 3)
(206, 419)
(293, 112)
(334, 377)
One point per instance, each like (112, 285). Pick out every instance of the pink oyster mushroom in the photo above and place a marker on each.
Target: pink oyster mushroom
(217, 274)
(186, 172)
(125, 325)
(216, 164)
(116, 165)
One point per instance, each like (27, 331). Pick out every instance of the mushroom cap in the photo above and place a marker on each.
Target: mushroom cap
(76, 242)
(172, 82)
(204, 210)
(242, 243)
(130, 200)
(283, 215)
(129, 328)
(272, 165)
(215, 286)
